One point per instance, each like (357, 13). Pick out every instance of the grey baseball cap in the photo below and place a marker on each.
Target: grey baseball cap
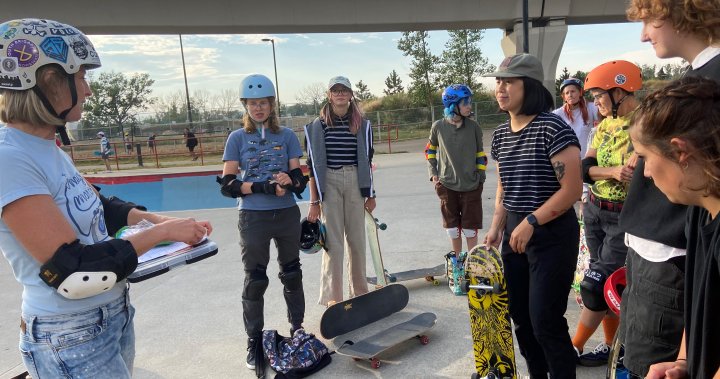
(519, 65)
(339, 80)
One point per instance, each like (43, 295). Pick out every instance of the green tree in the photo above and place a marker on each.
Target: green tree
(648, 72)
(362, 92)
(422, 68)
(117, 99)
(558, 82)
(462, 61)
(393, 84)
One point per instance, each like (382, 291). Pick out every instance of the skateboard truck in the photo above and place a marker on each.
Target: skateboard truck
(485, 287)
(380, 225)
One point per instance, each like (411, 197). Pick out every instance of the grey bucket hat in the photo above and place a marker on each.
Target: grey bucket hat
(519, 65)
(339, 80)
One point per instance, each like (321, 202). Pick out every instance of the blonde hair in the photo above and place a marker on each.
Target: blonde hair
(355, 111)
(26, 107)
(696, 17)
(273, 122)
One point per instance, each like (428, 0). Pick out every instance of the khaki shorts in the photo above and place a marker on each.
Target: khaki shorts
(460, 209)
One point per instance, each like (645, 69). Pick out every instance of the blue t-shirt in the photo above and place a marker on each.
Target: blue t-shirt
(259, 159)
(32, 165)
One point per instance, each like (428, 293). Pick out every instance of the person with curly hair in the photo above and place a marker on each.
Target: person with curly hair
(675, 131)
(651, 316)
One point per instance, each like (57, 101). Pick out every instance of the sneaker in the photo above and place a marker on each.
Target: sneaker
(598, 357)
(294, 328)
(251, 347)
(578, 353)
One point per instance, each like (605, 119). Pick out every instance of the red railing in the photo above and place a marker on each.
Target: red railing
(388, 129)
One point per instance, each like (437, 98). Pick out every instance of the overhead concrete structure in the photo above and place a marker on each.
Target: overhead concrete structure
(549, 18)
(307, 16)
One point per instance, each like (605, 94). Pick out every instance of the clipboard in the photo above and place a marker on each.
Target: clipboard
(157, 266)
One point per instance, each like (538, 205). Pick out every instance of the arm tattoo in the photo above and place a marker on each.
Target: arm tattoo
(559, 170)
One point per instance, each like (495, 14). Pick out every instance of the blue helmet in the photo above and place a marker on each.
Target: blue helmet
(571, 81)
(256, 86)
(454, 93)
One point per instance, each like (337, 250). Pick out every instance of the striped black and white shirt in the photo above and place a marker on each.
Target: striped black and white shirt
(340, 144)
(526, 173)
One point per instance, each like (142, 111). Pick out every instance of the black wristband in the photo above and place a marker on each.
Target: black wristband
(264, 187)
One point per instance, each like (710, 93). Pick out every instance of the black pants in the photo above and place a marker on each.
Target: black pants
(651, 313)
(257, 229)
(538, 287)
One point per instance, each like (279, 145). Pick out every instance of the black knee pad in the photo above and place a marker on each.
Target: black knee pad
(591, 291)
(256, 282)
(291, 275)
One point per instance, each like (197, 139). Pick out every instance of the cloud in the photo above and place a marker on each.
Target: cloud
(351, 39)
(238, 39)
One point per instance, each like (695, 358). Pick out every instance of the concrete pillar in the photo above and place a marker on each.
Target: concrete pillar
(546, 43)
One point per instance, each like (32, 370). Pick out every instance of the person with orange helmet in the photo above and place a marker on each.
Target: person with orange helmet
(606, 169)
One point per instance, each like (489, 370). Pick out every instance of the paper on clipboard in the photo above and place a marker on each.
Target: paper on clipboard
(161, 251)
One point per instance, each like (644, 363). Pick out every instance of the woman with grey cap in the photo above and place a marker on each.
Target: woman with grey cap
(340, 151)
(538, 157)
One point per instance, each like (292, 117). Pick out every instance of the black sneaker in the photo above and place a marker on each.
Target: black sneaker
(598, 357)
(294, 328)
(251, 348)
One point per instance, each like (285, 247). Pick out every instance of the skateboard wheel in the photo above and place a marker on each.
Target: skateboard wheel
(436, 282)
(429, 278)
(424, 340)
(474, 375)
(356, 359)
(375, 363)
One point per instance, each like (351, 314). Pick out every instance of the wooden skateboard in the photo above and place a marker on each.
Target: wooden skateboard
(362, 310)
(489, 315)
(370, 347)
(429, 274)
(371, 227)
(583, 263)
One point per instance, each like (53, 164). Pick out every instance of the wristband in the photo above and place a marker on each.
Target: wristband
(316, 202)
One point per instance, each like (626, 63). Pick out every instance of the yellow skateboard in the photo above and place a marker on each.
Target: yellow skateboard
(489, 315)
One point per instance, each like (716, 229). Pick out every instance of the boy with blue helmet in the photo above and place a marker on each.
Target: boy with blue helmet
(456, 164)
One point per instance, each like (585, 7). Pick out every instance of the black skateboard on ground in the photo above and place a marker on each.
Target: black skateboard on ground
(363, 310)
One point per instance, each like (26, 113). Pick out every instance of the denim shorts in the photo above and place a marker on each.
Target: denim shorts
(98, 343)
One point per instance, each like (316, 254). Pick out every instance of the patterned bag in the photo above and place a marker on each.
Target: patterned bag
(294, 357)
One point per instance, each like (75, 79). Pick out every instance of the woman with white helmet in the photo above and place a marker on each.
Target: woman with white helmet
(576, 112)
(77, 320)
(262, 170)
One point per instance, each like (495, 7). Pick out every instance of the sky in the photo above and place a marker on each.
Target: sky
(219, 62)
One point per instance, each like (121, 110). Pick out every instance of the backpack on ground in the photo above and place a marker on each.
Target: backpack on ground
(294, 357)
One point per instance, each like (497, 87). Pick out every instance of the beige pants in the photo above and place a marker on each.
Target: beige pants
(343, 213)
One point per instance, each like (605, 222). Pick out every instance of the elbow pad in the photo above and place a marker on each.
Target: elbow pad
(79, 271)
(116, 212)
(586, 164)
(230, 186)
(299, 182)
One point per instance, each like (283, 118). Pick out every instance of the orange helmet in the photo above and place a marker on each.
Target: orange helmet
(615, 74)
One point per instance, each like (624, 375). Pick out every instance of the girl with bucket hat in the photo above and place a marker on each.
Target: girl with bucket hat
(538, 158)
(340, 151)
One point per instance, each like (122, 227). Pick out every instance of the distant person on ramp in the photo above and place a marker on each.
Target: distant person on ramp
(340, 150)
(456, 165)
(104, 150)
(262, 170)
(538, 158)
(55, 228)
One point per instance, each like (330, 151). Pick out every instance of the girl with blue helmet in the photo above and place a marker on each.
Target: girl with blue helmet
(262, 170)
(456, 166)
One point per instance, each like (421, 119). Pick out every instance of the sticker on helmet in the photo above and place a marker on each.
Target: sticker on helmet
(10, 82)
(620, 79)
(8, 32)
(55, 48)
(25, 51)
(9, 65)
(79, 47)
(35, 28)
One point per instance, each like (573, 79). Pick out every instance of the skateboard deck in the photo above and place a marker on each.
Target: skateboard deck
(583, 263)
(371, 347)
(362, 310)
(429, 273)
(371, 227)
(490, 324)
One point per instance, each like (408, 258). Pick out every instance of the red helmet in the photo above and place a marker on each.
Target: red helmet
(614, 287)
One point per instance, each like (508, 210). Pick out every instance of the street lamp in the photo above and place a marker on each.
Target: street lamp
(187, 93)
(277, 86)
